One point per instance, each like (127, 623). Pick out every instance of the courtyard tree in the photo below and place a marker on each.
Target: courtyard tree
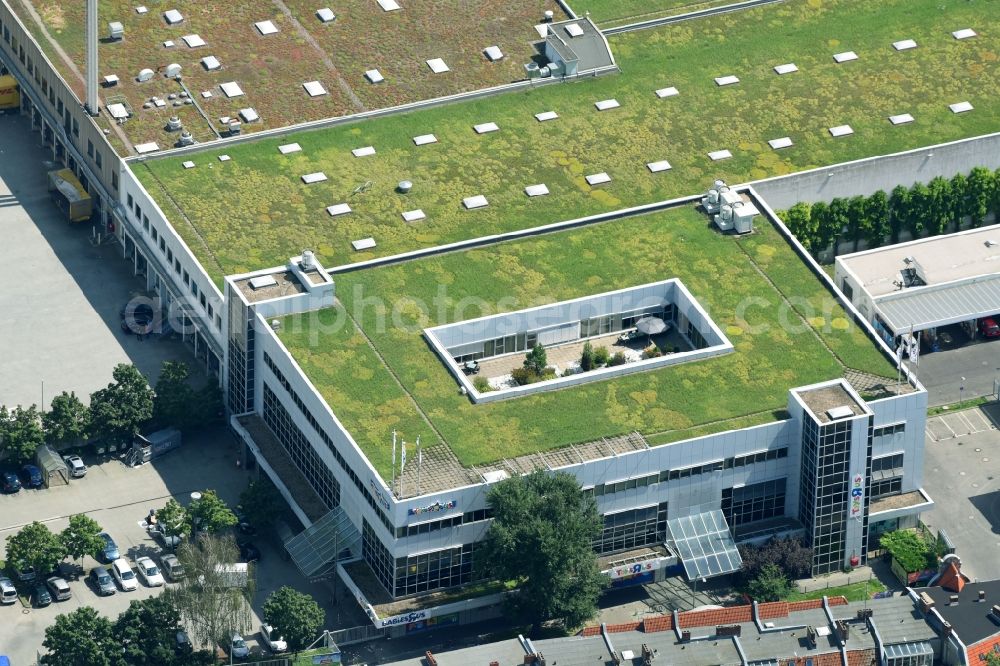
(68, 421)
(791, 556)
(587, 357)
(799, 220)
(35, 546)
(210, 514)
(260, 503)
(81, 537)
(981, 185)
(295, 616)
(174, 402)
(210, 600)
(542, 539)
(173, 518)
(147, 631)
(771, 584)
(877, 218)
(536, 360)
(899, 205)
(21, 433)
(81, 638)
(119, 410)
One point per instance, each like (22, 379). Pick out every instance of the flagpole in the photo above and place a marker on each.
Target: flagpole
(420, 462)
(402, 466)
(392, 481)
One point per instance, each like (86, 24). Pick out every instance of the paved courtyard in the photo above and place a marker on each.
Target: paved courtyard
(962, 476)
(61, 295)
(960, 373)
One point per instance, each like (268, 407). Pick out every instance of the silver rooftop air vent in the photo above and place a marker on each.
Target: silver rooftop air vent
(841, 412)
(263, 281)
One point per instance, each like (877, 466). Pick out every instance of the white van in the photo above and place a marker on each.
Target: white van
(123, 573)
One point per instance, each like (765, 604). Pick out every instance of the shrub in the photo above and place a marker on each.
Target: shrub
(481, 383)
(524, 376)
(909, 549)
(536, 360)
(601, 356)
(652, 351)
(617, 359)
(587, 357)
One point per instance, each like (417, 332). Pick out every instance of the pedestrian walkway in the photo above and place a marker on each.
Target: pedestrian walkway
(838, 579)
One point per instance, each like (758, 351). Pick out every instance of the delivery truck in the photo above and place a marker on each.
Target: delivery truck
(10, 98)
(70, 196)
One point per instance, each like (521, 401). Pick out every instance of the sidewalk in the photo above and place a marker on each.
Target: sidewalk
(838, 579)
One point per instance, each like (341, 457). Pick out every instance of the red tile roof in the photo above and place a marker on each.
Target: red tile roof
(716, 616)
(658, 623)
(951, 578)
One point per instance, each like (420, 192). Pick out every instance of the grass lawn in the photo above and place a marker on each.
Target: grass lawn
(853, 592)
(607, 13)
(420, 397)
(254, 211)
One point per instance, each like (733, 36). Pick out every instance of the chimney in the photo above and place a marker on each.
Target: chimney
(947, 628)
(953, 600)
(685, 636)
(429, 658)
(926, 603)
(92, 57)
(982, 595)
(843, 630)
(996, 611)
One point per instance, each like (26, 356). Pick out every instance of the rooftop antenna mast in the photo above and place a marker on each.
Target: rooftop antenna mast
(92, 103)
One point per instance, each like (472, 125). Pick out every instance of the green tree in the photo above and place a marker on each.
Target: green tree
(938, 209)
(770, 585)
(295, 616)
(799, 221)
(174, 519)
(921, 209)
(587, 357)
(899, 207)
(826, 227)
(909, 549)
(22, 433)
(536, 360)
(992, 659)
(981, 185)
(260, 504)
(119, 410)
(82, 537)
(208, 406)
(174, 403)
(210, 514)
(858, 223)
(961, 202)
(81, 638)
(68, 421)
(878, 216)
(147, 631)
(35, 546)
(541, 537)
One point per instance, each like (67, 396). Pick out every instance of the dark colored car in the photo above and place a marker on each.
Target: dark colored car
(11, 484)
(110, 551)
(31, 476)
(42, 596)
(989, 328)
(249, 552)
(104, 585)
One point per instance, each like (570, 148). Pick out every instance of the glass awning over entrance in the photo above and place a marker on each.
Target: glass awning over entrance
(317, 547)
(704, 544)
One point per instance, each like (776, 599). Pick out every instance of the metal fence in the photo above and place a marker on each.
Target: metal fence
(362, 634)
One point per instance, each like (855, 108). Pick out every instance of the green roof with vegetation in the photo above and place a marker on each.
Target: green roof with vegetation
(786, 327)
(253, 211)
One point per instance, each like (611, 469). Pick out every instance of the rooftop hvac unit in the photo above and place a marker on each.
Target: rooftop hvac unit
(557, 68)
(549, 15)
(116, 31)
(186, 139)
(173, 124)
(545, 72)
(235, 127)
(743, 215)
(308, 260)
(724, 219)
(172, 71)
(145, 75)
(532, 70)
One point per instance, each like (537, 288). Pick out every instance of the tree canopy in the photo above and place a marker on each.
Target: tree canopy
(210, 514)
(541, 537)
(771, 584)
(295, 616)
(147, 631)
(21, 432)
(35, 546)
(81, 638)
(81, 537)
(68, 421)
(260, 503)
(791, 556)
(119, 410)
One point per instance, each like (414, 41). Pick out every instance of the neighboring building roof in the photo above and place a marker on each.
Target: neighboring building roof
(942, 259)
(588, 47)
(970, 617)
(951, 579)
(939, 305)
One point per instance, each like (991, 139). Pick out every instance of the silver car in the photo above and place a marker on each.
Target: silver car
(8, 594)
(103, 582)
(76, 467)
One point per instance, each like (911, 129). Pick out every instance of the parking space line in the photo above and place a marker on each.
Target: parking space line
(946, 425)
(930, 433)
(986, 425)
(965, 419)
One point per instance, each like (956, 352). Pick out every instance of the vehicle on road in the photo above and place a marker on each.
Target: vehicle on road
(103, 583)
(989, 328)
(238, 647)
(42, 596)
(59, 588)
(249, 552)
(273, 642)
(171, 566)
(11, 484)
(8, 594)
(149, 572)
(123, 573)
(76, 467)
(31, 476)
(110, 552)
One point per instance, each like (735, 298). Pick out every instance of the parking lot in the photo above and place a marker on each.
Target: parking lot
(962, 476)
(61, 294)
(960, 372)
(119, 498)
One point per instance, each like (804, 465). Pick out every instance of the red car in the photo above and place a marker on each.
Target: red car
(988, 327)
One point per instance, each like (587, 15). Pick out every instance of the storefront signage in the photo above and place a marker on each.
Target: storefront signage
(406, 618)
(858, 497)
(635, 568)
(332, 658)
(377, 494)
(433, 508)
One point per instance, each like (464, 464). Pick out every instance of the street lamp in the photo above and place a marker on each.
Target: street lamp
(961, 390)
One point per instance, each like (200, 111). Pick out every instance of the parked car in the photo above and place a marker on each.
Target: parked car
(11, 484)
(238, 647)
(25, 575)
(8, 594)
(170, 541)
(123, 573)
(102, 581)
(989, 328)
(42, 596)
(76, 467)
(110, 552)
(249, 552)
(149, 572)
(59, 588)
(31, 476)
(274, 643)
(183, 644)
(171, 566)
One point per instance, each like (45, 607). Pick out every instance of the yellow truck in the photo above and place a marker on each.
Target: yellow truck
(10, 98)
(70, 196)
